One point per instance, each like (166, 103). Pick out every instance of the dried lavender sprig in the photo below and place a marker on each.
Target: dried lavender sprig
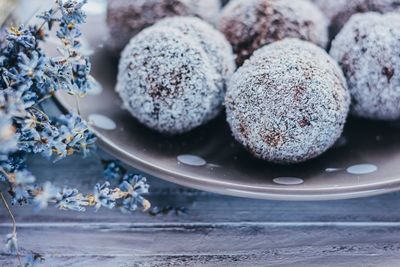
(127, 196)
(28, 77)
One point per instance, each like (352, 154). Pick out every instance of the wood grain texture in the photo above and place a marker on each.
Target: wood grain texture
(214, 231)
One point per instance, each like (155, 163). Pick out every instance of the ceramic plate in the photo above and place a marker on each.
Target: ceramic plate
(364, 162)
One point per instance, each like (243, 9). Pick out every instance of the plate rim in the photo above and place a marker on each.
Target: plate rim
(289, 194)
(285, 193)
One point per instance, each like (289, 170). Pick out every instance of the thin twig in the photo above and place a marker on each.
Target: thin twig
(4, 173)
(78, 109)
(9, 212)
(43, 99)
(14, 223)
(44, 22)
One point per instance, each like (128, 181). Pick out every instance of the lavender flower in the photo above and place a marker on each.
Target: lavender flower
(133, 194)
(113, 170)
(49, 17)
(74, 134)
(104, 196)
(22, 36)
(28, 78)
(34, 259)
(71, 199)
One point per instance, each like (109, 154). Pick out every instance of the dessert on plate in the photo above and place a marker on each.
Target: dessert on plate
(172, 76)
(126, 18)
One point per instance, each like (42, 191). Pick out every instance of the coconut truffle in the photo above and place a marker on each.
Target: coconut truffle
(172, 76)
(126, 18)
(368, 50)
(288, 103)
(340, 11)
(251, 24)
(212, 41)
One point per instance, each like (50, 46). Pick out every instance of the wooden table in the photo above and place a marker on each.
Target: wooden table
(205, 229)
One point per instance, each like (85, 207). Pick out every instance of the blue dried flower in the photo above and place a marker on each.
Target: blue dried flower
(28, 77)
(34, 259)
(113, 170)
(22, 36)
(11, 164)
(104, 196)
(71, 199)
(75, 135)
(72, 10)
(134, 186)
(49, 17)
(31, 66)
(138, 182)
(11, 104)
(21, 194)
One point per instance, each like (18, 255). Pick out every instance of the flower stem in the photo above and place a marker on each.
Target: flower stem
(14, 223)
(78, 107)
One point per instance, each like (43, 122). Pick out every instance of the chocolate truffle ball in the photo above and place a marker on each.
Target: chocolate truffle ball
(288, 103)
(340, 11)
(212, 41)
(251, 24)
(368, 50)
(172, 76)
(126, 18)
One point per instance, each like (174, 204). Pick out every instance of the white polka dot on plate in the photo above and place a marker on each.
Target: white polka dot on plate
(192, 160)
(102, 122)
(362, 169)
(288, 181)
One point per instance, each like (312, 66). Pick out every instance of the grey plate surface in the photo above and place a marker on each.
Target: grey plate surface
(365, 161)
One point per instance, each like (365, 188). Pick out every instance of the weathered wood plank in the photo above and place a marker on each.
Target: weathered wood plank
(212, 245)
(221, 209)
(201, 206)
(215, 231)
(215, 261)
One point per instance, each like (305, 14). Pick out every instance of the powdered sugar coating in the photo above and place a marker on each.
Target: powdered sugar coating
(212, 41)
(288, 103)
(126, 18)
(368, 50)
(169, 78)
(251, 24)
(340, 11)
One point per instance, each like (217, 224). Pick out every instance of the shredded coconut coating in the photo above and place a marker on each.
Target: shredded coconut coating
(288, 103)
(126, 18)
(368, 50)
(172, 76)
(340, 11)
(251, 24)
(212, 41)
